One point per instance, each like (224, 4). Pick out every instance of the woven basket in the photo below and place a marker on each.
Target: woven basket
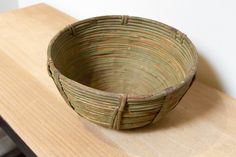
(121, 72)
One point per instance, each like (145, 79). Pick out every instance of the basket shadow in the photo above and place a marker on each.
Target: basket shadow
(207, 75)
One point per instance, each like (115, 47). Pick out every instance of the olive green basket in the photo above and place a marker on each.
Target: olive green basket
(122, 72)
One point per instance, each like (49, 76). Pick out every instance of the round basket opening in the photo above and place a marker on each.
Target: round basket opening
(131, 55)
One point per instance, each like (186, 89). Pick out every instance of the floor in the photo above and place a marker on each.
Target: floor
(7, 146)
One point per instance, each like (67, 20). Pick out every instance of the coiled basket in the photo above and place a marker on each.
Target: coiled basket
(121, 72)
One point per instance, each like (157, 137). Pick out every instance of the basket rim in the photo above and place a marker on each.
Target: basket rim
(136, 97)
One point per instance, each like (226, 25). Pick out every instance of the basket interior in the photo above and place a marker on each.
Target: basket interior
(138, 57)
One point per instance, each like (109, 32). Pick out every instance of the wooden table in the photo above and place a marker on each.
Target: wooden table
(35, 116)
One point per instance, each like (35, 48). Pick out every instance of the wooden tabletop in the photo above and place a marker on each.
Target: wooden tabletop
(202, 125)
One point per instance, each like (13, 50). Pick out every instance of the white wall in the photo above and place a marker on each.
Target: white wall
(6, 5)
(210, 24)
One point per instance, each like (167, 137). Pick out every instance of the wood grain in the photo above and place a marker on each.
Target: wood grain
(202, 125)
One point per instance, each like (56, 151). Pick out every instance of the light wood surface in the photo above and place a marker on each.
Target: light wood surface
(202, 125)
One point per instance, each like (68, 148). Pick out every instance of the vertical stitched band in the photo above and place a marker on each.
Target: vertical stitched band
(124, 19)
(114, 118)
(190, 84)
(48, 67)
(119, 111)
(165, 105)
(60, 88)
(178, 36)
(72, 29)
